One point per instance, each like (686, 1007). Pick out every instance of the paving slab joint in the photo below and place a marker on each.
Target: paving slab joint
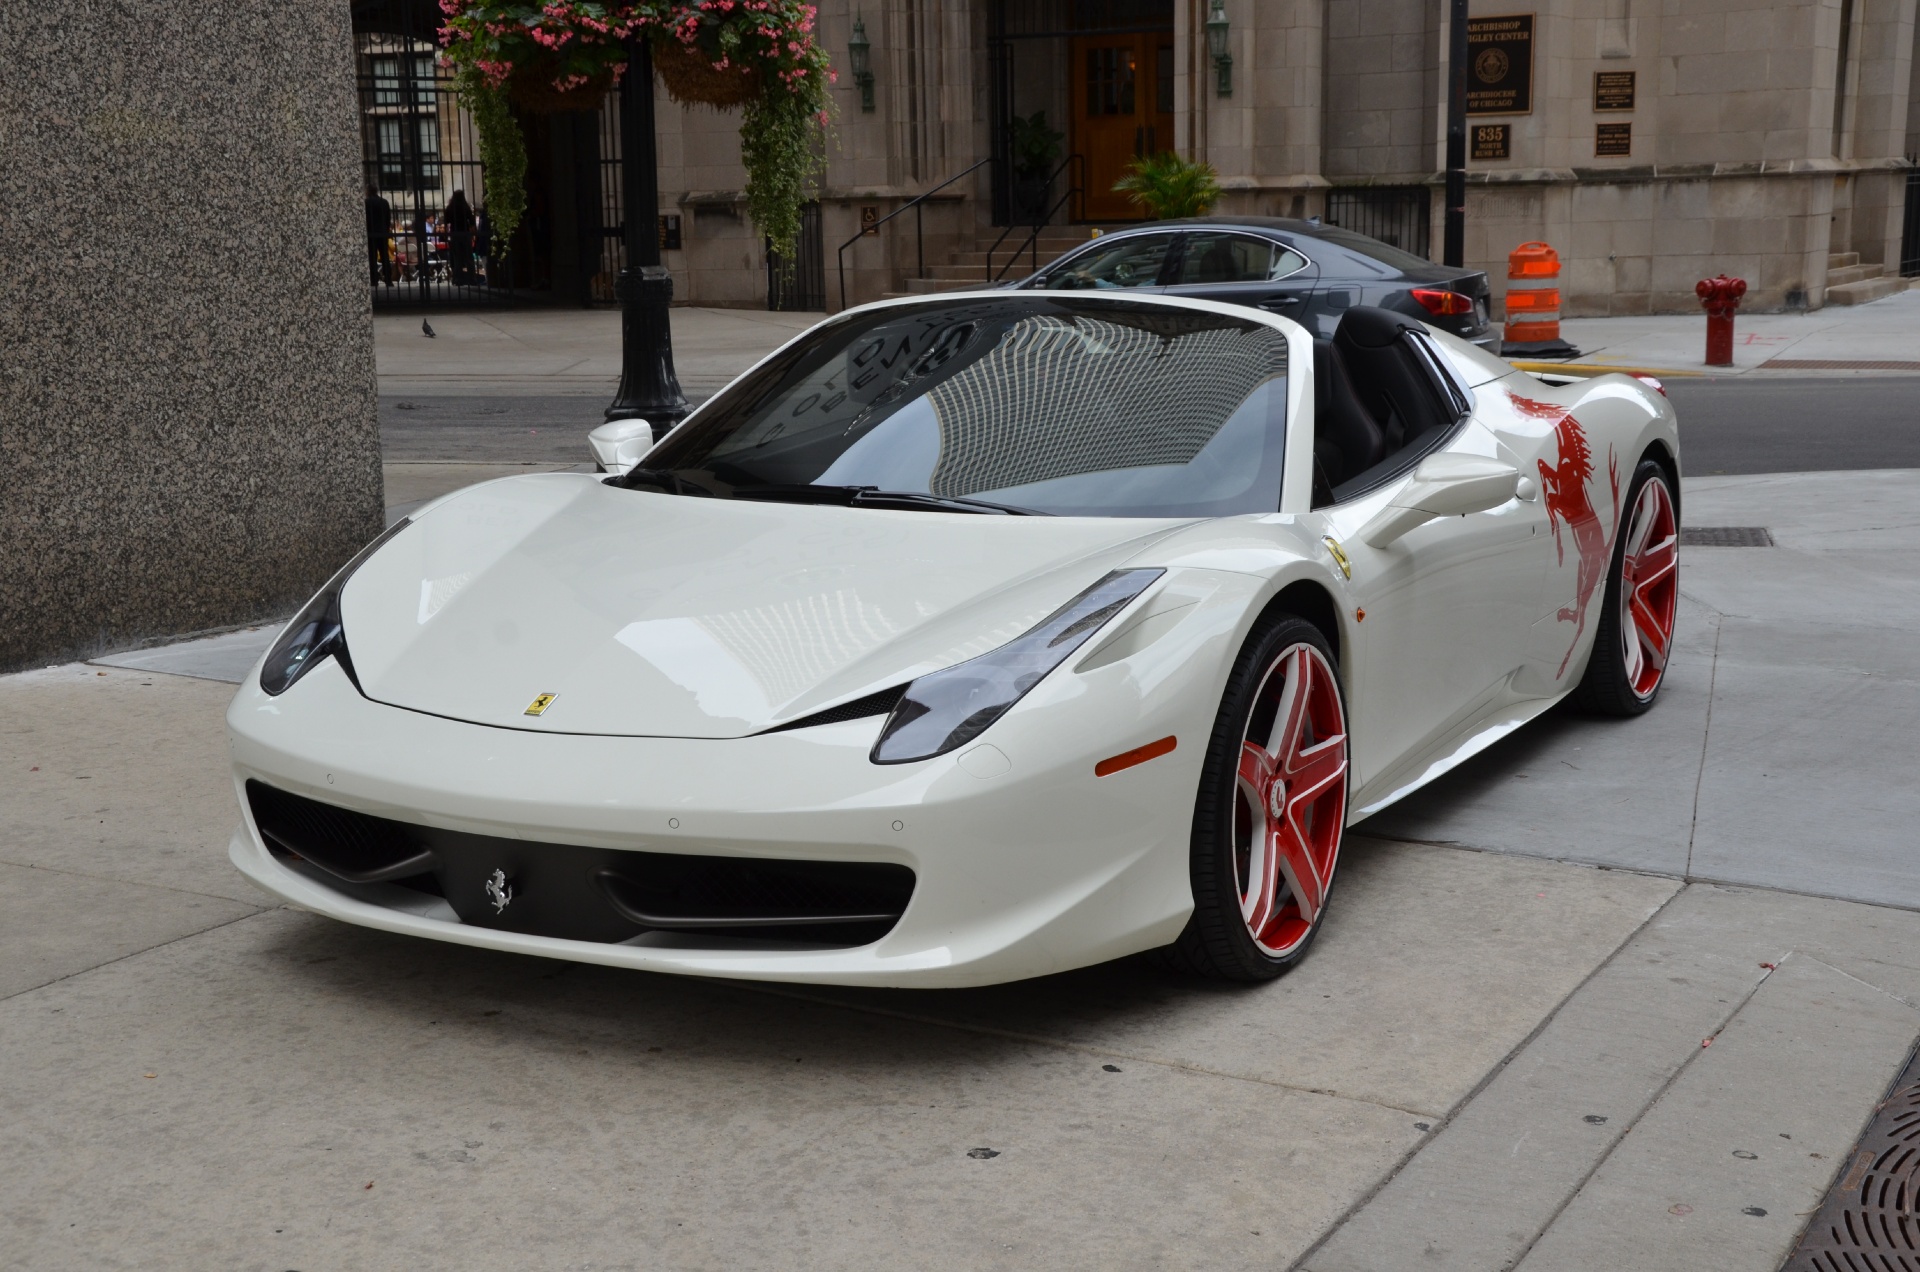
(1305, 1262)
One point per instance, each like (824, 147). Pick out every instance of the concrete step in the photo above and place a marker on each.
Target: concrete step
(974, 269)
(1865, 291)
(1840, 260)
(1839, 275)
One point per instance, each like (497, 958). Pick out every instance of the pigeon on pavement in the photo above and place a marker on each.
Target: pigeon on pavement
(426, 329)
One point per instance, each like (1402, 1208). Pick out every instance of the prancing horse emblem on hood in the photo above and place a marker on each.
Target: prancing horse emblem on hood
(498, 892)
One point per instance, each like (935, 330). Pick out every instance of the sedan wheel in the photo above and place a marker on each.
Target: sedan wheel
(1272, 810)
(1634, 639)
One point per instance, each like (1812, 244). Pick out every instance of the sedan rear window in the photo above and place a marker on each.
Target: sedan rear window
(1372, 248)
(1235, 258)
(1075, 406)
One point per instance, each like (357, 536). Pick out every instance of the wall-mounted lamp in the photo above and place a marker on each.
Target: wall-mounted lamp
(1218, 45)
(860, 55)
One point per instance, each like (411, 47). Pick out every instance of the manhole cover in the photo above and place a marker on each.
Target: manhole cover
(1868, 1220)
(1725, 537)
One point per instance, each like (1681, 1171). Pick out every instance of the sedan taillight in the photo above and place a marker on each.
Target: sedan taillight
(1443, 304)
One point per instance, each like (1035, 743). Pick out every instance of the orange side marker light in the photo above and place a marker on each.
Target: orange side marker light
(1360, 615)
(1139, 755)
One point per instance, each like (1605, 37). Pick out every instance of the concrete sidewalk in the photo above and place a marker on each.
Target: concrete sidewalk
(560, 352)
(1495, 1056)
(1875, 339)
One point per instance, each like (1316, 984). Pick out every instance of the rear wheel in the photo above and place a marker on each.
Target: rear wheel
(1272, 809)
(1634, 638)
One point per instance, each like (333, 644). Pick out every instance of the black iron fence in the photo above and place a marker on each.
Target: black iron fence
(1399, 215)
(804, 286)
(426, 218)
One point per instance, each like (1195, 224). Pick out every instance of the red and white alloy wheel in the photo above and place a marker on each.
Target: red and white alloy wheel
(1649, 588)
(1292, 800)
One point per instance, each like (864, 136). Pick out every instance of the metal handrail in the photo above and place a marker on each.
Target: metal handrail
(1075, 186)
(919, 228)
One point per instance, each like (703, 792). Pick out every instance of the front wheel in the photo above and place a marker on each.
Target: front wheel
(1272, 809)
(1634, 639)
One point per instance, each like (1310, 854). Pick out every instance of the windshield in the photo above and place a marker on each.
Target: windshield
(1068, 405)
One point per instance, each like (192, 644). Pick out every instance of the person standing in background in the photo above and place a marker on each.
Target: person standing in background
(459, 223)
(379, 244)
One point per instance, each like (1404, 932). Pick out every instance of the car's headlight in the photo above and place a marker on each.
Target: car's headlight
(949, 708)
(316, 632)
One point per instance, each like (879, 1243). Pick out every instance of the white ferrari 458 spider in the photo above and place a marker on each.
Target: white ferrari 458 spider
(964, 639)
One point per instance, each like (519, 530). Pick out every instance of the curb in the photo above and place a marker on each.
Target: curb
(1587, 369)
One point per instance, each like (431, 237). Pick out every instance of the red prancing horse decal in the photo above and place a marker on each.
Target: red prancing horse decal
(1564, 488)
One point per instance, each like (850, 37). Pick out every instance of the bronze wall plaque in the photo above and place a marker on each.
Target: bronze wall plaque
(1500, 65)
(1612, 140)
(1613, 90)
(1493, 141)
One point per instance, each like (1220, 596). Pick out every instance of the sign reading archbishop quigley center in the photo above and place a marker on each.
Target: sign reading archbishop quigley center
(1500, 65)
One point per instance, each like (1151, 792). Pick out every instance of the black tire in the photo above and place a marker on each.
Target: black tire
(1608, 687)
(1217, 942)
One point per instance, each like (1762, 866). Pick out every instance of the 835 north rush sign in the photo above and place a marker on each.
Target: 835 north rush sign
(1500, 65)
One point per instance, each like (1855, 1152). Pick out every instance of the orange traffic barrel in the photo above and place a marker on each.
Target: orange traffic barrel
(1533, 294)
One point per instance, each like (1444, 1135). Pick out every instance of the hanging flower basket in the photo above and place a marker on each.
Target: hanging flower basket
(692, 78)
(556, 55)
(534, 86)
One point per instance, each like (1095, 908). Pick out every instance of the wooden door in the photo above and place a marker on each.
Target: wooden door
(1122, 107)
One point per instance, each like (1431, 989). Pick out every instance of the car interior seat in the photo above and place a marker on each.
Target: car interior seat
(1216, 264)
(1375, 398)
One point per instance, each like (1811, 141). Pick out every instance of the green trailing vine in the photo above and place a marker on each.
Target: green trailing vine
(503, 152)
(776, 145)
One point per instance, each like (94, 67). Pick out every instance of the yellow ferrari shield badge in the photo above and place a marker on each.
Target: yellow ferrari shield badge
(540, 704)
(1339, 556)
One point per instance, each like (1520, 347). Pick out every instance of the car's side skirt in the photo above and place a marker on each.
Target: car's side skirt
(1450, 752)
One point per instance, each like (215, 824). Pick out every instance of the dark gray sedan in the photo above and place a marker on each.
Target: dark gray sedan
(1304, 271)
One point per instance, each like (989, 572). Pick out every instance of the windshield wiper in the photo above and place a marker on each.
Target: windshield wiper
(874, 497)
(959, 503)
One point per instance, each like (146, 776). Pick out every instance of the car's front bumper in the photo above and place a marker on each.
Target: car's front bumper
(1032, 870)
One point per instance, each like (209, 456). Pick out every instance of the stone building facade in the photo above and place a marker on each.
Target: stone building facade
(1656, 141)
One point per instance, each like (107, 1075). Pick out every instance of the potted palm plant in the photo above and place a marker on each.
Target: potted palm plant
(1036, 150)
(1166, 186)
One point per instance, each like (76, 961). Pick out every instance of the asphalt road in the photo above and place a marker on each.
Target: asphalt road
(1732, 425)
(1744, 424)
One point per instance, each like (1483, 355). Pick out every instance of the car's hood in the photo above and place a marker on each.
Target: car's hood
(674, 616)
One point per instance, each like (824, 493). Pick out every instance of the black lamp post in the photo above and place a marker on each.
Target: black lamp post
(860, 57)
(649, 389)
(1454, 249)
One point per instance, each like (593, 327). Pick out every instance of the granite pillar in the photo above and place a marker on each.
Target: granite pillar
(188, 436)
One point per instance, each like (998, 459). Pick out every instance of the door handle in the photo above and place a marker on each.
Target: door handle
(1279, 302)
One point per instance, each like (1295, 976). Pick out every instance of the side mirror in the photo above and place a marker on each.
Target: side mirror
(1442, 486)
(620, 444)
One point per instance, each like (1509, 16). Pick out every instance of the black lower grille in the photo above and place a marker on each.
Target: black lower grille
(590, 894)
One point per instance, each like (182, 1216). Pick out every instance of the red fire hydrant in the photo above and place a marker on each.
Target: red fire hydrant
(1721, 296)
